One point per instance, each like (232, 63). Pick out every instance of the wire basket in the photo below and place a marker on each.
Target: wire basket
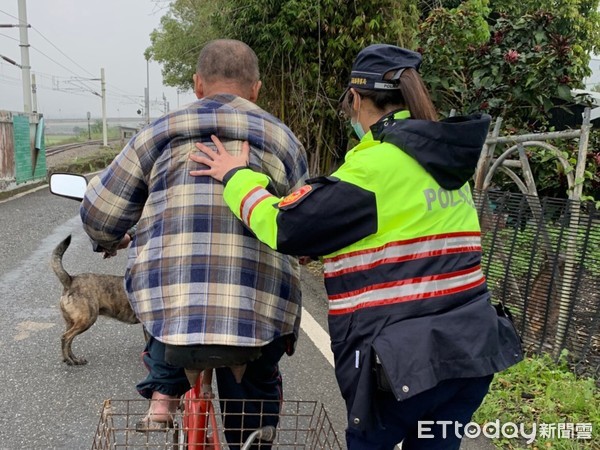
(301, 425)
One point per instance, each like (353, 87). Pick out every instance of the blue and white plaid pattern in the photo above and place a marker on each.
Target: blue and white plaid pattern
(195, 275)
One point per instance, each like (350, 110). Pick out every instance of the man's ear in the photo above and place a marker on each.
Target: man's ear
(198, 87)
(254, 91)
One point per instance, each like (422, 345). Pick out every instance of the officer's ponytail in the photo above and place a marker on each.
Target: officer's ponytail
(416, 96)
(412, 95)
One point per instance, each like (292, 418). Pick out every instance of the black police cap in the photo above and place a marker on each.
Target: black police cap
(375, 61)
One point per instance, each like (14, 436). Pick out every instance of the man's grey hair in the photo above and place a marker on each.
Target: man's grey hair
(228, 60)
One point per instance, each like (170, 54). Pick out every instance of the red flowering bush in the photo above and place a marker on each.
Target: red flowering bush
(516, 72)
(511, 56)
(527, 63)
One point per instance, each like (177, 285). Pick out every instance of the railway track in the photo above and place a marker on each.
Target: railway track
(56, 149)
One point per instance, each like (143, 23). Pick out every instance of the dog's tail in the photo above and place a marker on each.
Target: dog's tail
(57, 265)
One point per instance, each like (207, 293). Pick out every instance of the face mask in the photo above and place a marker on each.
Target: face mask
(356, 126)
(358, 129)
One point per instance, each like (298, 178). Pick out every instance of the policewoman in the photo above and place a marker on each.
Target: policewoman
(415, 336)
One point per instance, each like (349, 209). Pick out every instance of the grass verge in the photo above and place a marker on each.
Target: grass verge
(87, 164)
(564, 408)
(80, 165)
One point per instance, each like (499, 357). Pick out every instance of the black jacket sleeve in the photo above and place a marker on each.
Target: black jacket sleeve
(333, 215)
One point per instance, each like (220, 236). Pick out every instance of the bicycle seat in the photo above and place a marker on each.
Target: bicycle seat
(200, 357)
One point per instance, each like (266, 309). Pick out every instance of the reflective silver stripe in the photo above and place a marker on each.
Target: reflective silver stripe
(400, 250)
(250, 201)
(384, 294)
(385, 86)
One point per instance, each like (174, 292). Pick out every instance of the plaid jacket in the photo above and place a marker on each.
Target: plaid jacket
(195, 275)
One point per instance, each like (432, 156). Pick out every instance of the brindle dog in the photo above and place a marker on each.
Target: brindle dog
(84, 298)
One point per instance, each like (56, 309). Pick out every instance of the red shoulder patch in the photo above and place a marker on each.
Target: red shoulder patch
(295, 196)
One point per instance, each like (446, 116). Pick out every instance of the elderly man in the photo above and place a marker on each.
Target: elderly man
(195, 276)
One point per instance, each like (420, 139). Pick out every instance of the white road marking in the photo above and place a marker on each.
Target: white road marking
(317, 334)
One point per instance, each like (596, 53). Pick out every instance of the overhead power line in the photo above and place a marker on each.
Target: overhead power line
(63, 53)
(7, 78)
(76, 83)
(8, 14)
(59, 64)
(80, 81)
(9, 37)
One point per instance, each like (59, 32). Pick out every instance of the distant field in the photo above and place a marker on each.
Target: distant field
(68, 131)
(59, 139)
(73, 127)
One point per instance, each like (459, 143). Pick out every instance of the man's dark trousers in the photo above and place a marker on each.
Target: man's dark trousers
(261, 381)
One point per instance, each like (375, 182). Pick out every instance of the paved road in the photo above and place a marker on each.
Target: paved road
(49, 405)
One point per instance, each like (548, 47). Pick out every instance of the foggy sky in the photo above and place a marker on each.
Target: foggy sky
(70, 41)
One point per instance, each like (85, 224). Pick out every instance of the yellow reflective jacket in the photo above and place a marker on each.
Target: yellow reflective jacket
(398, 233)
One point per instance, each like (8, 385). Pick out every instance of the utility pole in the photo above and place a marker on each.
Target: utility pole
(25, 67)
(103, 86)
(34, 93)
(147, 90)
(146, 106)
(89, 115)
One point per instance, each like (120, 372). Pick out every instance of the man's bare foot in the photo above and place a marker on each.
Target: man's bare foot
(162, 407)
(160, 414)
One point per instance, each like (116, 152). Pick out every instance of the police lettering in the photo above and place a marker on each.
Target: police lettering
(358, 81)
(447, 199)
